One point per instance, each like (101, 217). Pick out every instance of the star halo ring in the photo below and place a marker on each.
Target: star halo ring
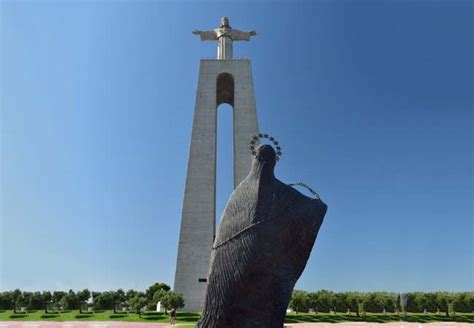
(257, 137)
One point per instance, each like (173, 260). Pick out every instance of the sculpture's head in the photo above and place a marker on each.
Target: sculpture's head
(265, 158)
(225, 22)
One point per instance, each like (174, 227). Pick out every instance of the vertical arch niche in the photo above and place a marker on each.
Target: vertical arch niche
(224, 142)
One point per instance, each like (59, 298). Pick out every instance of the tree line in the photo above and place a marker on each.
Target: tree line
(382, 302)
(84, 300)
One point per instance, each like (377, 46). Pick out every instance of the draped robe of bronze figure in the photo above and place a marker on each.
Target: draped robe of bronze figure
(261, 248)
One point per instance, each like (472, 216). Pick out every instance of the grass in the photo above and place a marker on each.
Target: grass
(377, 317)
(192, 317)
(183, 317)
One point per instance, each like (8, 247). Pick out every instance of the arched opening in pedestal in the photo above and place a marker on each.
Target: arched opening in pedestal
(224, 142)
(225, 89)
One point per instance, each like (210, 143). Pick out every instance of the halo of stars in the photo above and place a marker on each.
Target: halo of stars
(257, 137)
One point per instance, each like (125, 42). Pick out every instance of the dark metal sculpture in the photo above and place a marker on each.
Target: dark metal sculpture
(261, 248)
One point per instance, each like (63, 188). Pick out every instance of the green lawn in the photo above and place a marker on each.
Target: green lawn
(183, 317)
(192, 317)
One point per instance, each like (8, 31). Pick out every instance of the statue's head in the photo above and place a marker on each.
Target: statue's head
(225, 22)
(265, 157)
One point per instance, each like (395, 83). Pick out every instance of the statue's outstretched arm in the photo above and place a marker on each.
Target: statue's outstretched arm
(206, 35)
(241, 35)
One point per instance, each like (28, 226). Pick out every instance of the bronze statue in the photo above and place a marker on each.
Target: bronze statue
(261, 248)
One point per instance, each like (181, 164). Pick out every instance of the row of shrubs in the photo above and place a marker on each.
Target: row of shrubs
(86, 300)
(382, 302)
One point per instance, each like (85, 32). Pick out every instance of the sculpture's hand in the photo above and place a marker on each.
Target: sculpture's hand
(197, 32)
(253, 33)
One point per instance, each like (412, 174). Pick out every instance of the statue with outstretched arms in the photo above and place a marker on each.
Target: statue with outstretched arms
(225, 36)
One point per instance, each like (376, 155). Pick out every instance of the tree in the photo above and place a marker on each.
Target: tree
(138, 301)
(103, 301)
(339, 302)
(36, 301)
(150, 292)
(321, 300)
(82, 298)
(7, 301)
(388, 302)
(468, 300)
(442, 301)
(299, 301)
(429, 299)
(158, 297)
(461, 302)
(69, 301)
(378, 301)
(128, 296)
(25, 299)
(18, 299)
(313, 301)
(416, 302)
(353, 300)
(404, 299)
(119, 299)
(57, 297)
(172, 300)
(397, 303)
(48, 298)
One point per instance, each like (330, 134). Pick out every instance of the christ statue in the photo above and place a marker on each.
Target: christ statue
(225, 36)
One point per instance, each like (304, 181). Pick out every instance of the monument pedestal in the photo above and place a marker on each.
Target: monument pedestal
(220, 81)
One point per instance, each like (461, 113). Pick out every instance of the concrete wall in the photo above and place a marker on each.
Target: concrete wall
(199, 205)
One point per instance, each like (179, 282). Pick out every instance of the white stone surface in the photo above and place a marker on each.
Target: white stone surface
(160, 307)
(225, 36)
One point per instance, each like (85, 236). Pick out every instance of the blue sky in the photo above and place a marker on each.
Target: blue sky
(372, 102)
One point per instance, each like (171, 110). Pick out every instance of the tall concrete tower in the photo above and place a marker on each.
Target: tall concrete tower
(221, 81)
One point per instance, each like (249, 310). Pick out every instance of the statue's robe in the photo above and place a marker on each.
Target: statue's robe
(261, 248)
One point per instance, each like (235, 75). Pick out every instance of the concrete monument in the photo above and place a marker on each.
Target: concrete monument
(222, 80)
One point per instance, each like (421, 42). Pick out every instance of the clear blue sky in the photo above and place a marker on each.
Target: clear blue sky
(372, 102)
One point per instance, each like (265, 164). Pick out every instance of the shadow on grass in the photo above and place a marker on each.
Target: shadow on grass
(49, 316)
(83, 316)
(330, 318)
(439, 318)
(184, 317)
(153, 317)
(18, 316)
(121, 312)
(116, 316)
(188, 319)
(188, 316)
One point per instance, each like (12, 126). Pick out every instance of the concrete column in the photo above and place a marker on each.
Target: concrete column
(245, 120)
